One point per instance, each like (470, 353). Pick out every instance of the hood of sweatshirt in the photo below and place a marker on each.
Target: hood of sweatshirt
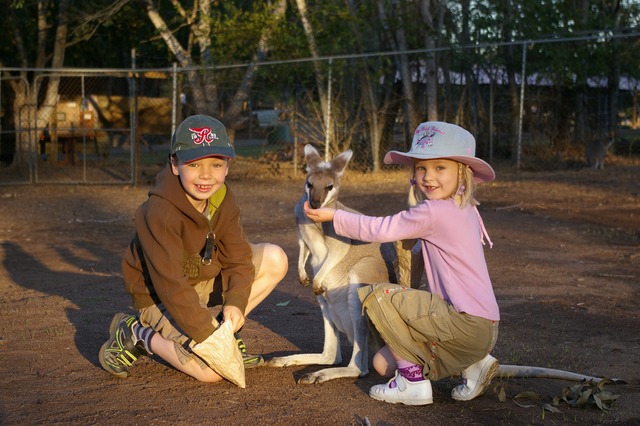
(168, 186)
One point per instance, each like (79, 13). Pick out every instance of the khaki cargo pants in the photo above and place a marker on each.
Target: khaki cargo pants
(210, 293)
(422, 328)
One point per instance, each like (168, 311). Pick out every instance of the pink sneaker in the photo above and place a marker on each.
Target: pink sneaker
(400, 390)
(476, 379)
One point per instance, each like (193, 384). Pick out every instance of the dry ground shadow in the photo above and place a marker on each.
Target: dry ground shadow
(564, 265)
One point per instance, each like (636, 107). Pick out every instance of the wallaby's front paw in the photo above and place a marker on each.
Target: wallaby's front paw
(331, 373)
(309, 379)
(284, 361)
(304, 281)
(319, 289)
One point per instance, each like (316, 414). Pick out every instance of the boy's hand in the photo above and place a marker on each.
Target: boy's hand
(233, 314)
(323, 214)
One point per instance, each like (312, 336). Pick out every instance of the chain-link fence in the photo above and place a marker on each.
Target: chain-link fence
(103, 127)
(95, 128)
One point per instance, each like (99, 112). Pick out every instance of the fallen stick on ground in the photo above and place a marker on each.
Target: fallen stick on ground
(77, 220)
(513, 206)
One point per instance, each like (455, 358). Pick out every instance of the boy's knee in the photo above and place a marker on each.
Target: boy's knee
(211, 377)
(276, 257)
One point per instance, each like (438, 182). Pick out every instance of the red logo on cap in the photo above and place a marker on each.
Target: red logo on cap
(201, 135)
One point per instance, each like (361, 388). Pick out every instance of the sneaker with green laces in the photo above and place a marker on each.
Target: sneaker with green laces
(250, 361)
(121, 350)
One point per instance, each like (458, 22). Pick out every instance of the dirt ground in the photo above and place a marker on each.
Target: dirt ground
(565, 266)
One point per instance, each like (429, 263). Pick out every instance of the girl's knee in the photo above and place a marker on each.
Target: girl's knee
(384, 363)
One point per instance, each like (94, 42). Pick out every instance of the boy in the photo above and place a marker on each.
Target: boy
(189, 251)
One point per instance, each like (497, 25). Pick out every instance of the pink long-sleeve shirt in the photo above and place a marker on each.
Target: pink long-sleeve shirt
(452, 242)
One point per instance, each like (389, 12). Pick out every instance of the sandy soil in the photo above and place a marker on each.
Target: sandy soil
(565, 267)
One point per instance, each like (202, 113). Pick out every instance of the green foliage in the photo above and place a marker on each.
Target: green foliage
(19, 25)
(104, 32)
(97, 29)
(236, 30)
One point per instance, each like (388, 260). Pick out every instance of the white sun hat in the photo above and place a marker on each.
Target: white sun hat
(435, 139)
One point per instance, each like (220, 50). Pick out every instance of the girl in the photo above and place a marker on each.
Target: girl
(449, 330)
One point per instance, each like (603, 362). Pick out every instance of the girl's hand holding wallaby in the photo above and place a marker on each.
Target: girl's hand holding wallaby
(323, 214)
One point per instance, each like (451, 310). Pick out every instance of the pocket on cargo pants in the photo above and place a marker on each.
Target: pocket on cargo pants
(427, 315)
(387, 323)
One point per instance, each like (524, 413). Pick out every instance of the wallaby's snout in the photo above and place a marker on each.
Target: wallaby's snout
(323, 178)
(320, 188)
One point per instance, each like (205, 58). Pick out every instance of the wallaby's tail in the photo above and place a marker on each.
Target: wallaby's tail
(507, 371)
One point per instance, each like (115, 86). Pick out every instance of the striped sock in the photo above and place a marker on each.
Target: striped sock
(144, 335)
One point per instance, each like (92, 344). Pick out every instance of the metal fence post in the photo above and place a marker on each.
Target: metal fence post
(83, 128)
(135, 146)
(523, 79)
(174, 102)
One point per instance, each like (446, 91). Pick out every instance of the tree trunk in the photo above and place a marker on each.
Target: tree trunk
(202, 35)
(46, 110)
(29, 117)
(313, 49)
(469, 72)
(376, 110)
(581, 131)
(405, 73)
(431, 67)
(613, 15)
(511, 66)
(232, 115)
(203, 86)
(183, 56)
(369, 98)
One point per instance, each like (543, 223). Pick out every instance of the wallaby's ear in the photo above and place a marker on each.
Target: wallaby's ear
(312, 157)
(340, 162)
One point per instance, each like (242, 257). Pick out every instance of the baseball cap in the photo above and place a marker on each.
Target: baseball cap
(435, 139)
(200, 136)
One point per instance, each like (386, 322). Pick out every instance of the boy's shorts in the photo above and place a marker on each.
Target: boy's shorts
(210, 292)
(422, 328)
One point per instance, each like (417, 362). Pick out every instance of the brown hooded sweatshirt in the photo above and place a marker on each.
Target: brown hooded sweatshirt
(164, 260)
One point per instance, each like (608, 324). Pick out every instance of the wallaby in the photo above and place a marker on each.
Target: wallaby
(339, 267)
(597, 151)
